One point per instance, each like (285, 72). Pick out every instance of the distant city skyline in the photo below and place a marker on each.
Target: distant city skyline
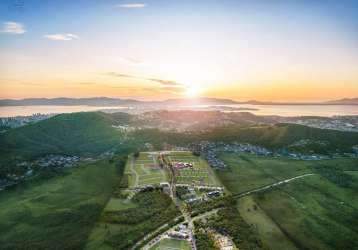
(267, 50)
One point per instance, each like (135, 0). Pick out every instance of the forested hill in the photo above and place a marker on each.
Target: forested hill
(297, 137)
(294, 137)
(73, 134)
(92, 133)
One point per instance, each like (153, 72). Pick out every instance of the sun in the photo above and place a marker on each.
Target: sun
(192, 91)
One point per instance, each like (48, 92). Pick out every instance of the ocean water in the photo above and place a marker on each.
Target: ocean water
(304, 110)
(11, 111)
(281, 110)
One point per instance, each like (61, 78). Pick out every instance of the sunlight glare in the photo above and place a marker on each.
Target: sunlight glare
(192, 91)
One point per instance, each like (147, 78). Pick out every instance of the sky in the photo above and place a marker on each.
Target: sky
(268, 50)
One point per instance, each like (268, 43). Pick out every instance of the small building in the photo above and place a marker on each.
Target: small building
(182, 165)
(213, 194)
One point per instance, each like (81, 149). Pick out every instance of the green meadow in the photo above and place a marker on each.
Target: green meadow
(58, 213)
(166, 244)
(315, 212)
(144, 170)
(201, 173)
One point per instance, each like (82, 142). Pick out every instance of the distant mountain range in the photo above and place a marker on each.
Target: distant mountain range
(62, 101)
(345, 101)
(105, 101)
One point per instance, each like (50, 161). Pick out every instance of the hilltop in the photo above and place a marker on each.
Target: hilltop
(67, 134)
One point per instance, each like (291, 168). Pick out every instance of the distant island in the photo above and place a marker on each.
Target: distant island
(106, 101)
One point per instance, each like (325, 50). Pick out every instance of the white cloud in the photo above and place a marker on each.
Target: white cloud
(132, 61)
(13, 28)
(62, 37)
(73, 36)
(132, 5)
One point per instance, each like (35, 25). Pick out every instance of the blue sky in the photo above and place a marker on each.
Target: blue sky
(238, 49)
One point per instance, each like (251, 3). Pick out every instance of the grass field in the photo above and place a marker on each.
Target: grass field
(171, 244)
(58, 213)
(308, 213)
(268, 231)
(200, 174)
(100, 231)
(314, 213)
(144, 170)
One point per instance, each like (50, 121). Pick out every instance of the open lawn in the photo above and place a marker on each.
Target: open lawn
(315, 212)
(171, 244)
(200, 174)
(267, 230)
(248, 172)
(58, 213)
(144, 170)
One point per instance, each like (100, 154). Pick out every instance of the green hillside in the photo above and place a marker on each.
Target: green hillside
(77, 133)
(283, 135)
(92, 133)
(58, 213)
(270, 136)
(318, 211)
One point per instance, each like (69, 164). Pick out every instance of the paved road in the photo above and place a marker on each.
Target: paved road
(153, 233)
(159, 237)
(239, 195)
(206, 214)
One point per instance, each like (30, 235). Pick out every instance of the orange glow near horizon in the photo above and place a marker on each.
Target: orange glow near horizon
(232, 49)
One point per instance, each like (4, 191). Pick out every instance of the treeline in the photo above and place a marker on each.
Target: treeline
(203, 240)
(228, 221)
(335, 175)
(202, 207)
(120, 160)
(152, 209)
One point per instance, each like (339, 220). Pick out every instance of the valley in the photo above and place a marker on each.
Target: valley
(178, 125)
(101, 185)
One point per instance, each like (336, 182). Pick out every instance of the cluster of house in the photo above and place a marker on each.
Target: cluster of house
(224, 242)
(124, 128)
(181, 232)
(57, 161)
(209, 151)
(53, 161)
(343, 123)
(18, 121)
(205, 193)
(11, 180)
(182, 165)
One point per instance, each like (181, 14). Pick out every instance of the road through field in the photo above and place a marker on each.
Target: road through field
(134, 172)
(239, 195)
